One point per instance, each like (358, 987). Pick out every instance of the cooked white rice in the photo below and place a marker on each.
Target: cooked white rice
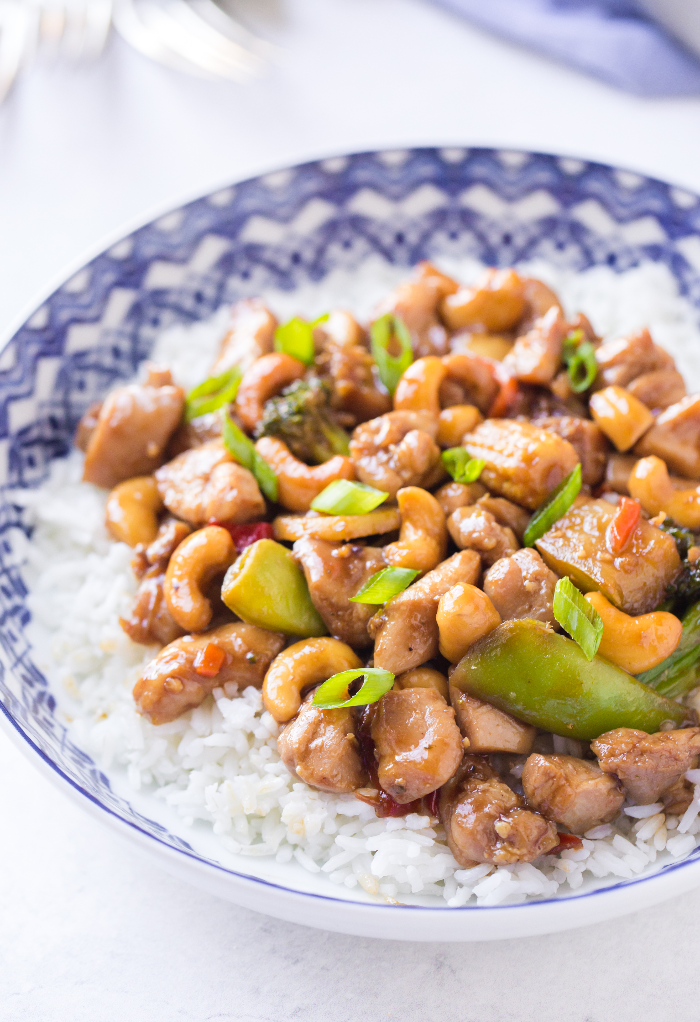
(219, 762)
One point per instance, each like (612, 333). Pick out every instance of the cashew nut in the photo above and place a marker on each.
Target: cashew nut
(196, 561)
(621, 416)
(423, 677)
(132, 511)
(300, 666)
(266, 377)
(651, 485)
(635, 644)
(464, 615)
(497, 302)
(422, 542)
(418, 389)
(476, 377)
(455, 422)
(300, 483)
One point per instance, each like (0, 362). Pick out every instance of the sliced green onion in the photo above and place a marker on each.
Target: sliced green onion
(296, 338)
(212, 394)
(242, 449)
(390, 367)
(461, 467)
(582, 368)
(571, 343)
(384, 584)
(341, 497)
(577, 617)
(554, 507)
(333, 693)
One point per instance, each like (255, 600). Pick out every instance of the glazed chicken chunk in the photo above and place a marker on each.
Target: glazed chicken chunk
(521, 586)
(475, 528)
(417, 741)
(205, 483)
(335, 572)
(396, 450)
(320, 747)
(536, 356)
(416, 303)
(177, 681)
(647, 765)
(488, 729)
(571, 791)
(251, 334)
(132, 430)
(485, 821)
(406, 631)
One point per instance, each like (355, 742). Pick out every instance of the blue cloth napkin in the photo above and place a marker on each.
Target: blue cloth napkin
(612, 39)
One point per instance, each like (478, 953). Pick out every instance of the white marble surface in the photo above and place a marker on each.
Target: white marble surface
(88, 931)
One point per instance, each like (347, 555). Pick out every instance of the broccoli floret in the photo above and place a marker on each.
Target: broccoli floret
(302, 418)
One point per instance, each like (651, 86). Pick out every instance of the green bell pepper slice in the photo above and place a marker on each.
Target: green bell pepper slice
(266, 587)
(680, 671)
(545, 679)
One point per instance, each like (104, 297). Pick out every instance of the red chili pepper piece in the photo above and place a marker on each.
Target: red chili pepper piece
(566, 841)
(623, 525)
(505, 398)
(209, 660)
(245, 535)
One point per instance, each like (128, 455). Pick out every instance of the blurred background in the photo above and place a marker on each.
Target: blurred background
(91, 147)
(102, 128)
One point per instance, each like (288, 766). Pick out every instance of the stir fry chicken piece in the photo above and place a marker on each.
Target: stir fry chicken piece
(536, 356)
(475, 528)
(522, 586)
(416, 303)
(179, 679)
(346, 365)
(571, 791)
(396, 450)
(647, 765)
(658, 389)
(133, 428)
(171, 533)
(675, 437)
(335, 572)
(150, 621)
(198, 431)
(205, 483)
(589, 442)
(320, 748)
(406, 631)
(251, 334)
(678, 797)
(507, 514)
(454, 495)
(488, 729)
(485, 821)
(417, 741)
(523, 462)
(626, 359)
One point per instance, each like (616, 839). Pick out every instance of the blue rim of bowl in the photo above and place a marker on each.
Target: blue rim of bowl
(206, 863)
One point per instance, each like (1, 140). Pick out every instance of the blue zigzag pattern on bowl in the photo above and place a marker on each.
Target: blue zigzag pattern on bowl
(281, 230)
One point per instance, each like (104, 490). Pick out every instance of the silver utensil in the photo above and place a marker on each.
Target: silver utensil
(196, 37)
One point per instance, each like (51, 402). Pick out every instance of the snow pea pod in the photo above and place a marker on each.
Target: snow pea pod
(680, 671)
(545, 679)
(267, 588)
